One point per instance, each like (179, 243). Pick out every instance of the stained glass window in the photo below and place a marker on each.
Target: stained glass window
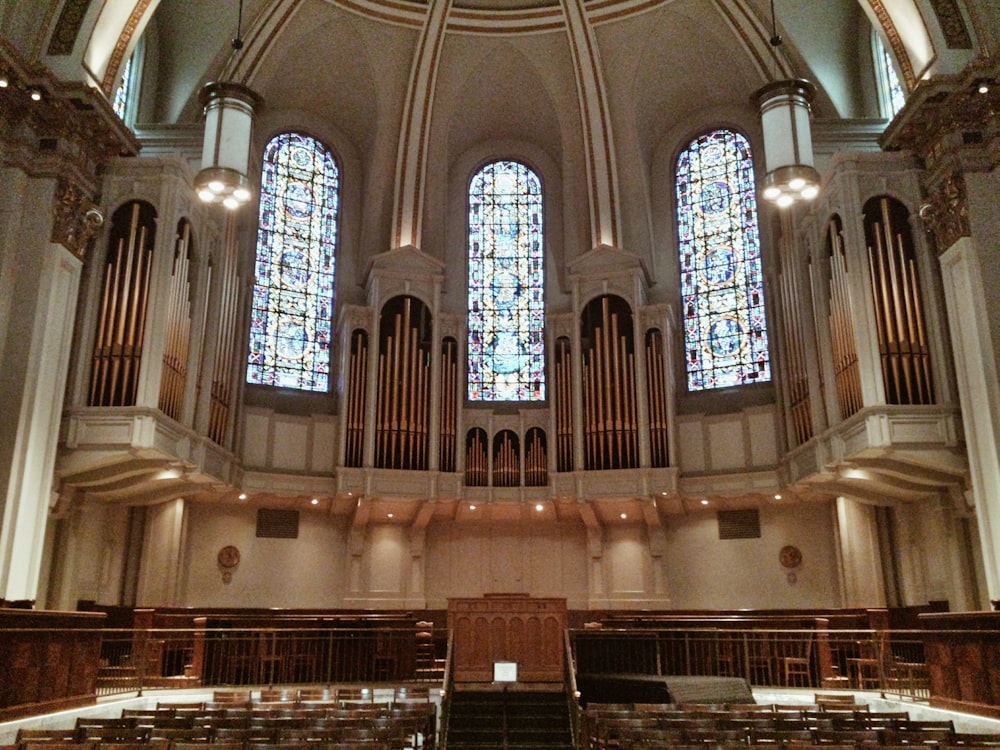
(296, 241)
(122, 92)
(506, 285)
(893, 91)
(725, 332)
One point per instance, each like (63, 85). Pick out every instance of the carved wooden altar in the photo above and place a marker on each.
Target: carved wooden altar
(508, 627)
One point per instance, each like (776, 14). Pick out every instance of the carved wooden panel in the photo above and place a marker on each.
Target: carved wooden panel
(55, 656)
(508, 627)
(963, 659)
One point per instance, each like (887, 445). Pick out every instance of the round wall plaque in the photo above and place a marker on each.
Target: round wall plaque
(790, 557)
(229, 556)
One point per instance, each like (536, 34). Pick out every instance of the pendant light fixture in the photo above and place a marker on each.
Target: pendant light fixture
(784, 119)
(229, 112)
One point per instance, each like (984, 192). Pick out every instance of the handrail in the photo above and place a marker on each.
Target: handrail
(573, 694)
(446, 684)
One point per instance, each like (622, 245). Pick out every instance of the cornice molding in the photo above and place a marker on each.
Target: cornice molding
(68, 133)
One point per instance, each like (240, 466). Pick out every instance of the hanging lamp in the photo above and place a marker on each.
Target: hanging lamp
(788, 153)
(229, 109)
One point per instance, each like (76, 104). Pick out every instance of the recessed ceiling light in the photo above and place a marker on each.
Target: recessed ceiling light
(539, 507)
(984, 88)
(315, 501)
(472, 507)
(777, 497)
(388, 515)
(624, 516)
(704, 502)
(243, 496)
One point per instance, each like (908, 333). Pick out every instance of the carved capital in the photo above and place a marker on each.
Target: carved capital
(75, 218)
(946, 212)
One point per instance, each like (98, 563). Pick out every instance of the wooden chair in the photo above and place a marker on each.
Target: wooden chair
(190, 735)
(977, 739)
(232, 697)
(355, 693)
(288, 696)
(822, 699)
(796, 662)
(65, 736)
(317, 695)
(123, 722)
(411, 693)
(761, 658)
(112, 733)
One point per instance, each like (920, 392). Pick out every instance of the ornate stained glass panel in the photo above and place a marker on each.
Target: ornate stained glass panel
(725, 331)
(296, 242)
(894, 89)
(123, 91)
(506, 285)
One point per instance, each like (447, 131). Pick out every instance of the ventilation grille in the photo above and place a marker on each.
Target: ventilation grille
(273, 523)
(739, 524)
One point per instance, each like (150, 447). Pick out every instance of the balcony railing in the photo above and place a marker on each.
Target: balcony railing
(893, 664)
(134, 660)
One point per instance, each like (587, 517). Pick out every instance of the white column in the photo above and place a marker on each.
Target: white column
(160, 583)
(864, 582)
(40, 281)
(978, 387)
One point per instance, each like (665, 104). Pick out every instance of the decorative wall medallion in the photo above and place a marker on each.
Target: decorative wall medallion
(229, 557)
(790, 557)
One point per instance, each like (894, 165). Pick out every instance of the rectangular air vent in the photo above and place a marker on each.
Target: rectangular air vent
(276, 523)
(739, 524)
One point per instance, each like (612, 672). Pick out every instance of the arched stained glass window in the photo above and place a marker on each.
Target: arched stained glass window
(506, 285)
(123, 91)
(725, 332)
(891, 89)
(296, 241)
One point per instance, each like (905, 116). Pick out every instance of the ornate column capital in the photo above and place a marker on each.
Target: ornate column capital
(951, 124)
(945, 213)
(75, 218)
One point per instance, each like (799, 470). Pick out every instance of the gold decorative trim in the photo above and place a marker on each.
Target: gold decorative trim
(75, 218)
(110, 81)
(68, 27)
(946, 212)
(896, 42)
(953, 29)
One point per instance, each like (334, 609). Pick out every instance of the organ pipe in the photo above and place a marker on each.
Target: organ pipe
(476, 469)
(536, 472)
(122, 318)
(798, 374)
(843, 345)
(656, 393)
(611, 430)
(402, 424)
(225, 353)
(178, 327)
(449, 406)
(563, 406)
(357, 391)
(506, 463)
(899, 318)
